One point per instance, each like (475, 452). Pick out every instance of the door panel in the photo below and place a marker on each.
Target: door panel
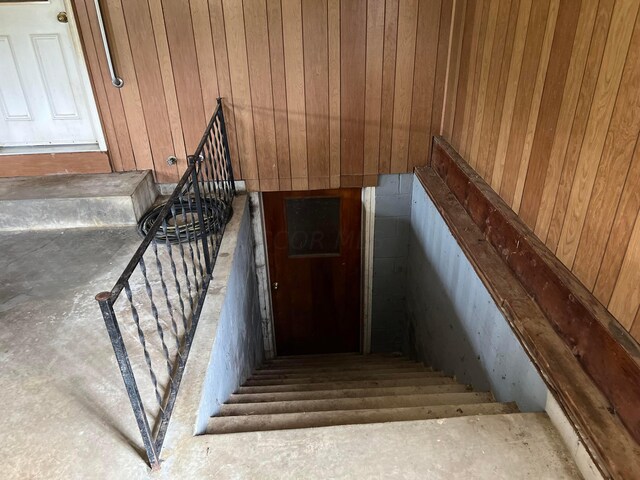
(313, 241)
(44, 99)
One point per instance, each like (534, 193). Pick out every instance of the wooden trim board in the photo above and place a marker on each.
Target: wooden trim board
(53, 163)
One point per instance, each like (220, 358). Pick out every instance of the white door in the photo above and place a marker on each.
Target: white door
(46, 104)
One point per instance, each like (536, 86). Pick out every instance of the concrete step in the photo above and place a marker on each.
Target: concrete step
(317, 360)
(382, 368)
(283, 421)
(335, 377)
(308, 364)
(346, 393)
(401, 382)
(325, 405)
(75, 201)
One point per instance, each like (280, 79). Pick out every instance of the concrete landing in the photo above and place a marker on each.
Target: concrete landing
(75, 201)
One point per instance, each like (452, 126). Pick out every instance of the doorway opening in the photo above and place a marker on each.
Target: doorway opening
(314, 249)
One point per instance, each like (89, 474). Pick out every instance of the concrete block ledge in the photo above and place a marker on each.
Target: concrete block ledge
(75, 201)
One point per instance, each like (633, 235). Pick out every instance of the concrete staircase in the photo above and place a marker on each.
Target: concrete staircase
(346, 389)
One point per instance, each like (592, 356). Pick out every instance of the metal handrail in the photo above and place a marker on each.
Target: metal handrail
(208, 182)
(115, 80)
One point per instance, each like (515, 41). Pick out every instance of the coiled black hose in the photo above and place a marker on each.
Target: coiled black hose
(182, 221)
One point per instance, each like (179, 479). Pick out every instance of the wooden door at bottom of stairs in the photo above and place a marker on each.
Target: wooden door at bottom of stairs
(314, 246)
(46, 102)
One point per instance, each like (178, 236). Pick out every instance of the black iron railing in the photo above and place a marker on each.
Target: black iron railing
(152, 326)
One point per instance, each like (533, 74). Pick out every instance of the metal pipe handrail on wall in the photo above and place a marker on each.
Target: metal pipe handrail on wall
(116, 81)
(165, 286)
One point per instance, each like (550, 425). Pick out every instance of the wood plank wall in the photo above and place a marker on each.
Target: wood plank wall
(317, 93)
(544, 104)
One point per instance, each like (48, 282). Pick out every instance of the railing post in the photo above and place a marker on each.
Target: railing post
(109, 316)
(203, 225)
(227, 155)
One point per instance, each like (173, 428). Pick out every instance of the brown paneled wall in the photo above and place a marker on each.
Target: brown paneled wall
(545, 105)
(317, 93)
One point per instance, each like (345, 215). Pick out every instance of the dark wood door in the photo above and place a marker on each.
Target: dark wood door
(313, 241)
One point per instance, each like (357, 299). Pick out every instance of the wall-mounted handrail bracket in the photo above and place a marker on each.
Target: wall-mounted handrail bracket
(115, 80)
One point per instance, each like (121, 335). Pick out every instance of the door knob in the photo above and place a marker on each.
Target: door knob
(62, 17)
(275, 285)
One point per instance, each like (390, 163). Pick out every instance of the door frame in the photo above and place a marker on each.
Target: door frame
(92, 104)
(366, 264)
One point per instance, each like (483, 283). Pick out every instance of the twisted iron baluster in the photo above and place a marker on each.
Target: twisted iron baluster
(143, 342)
(193, 259)
(211, 228)
(165, 290)
(154, 311)
(173, 264)
(184, 263)
(195, 239)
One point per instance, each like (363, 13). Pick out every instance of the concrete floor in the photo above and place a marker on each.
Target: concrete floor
(66, 414)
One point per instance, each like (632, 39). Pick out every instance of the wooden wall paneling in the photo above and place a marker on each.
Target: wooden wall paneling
(595, 135)
(373, 89)
(424, 74)
(168, 82)
(316, 79)
(495, 121)
(130, 93)
(224, 81)
(294, 68)
(388, 83)
(145, 58)
(353, 33)
(200, 19)
(482, 67)
(471, 75)
(513, 80)
(442, 65)
(97, 82)
(536, 99)
(612, 171)
(257, 40)
(589, 81)
(276, 54)
(626, 295)
(620, 232)
(333, 33)
(405, 62)
(551, 102)
(524, 97)
(457, 120)
(88, 17)
(541, 206)
(495, 53)
(453, 68)
(185, 69)
(242, 106)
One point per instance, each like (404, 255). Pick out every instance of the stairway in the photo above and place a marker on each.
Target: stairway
(345, 389)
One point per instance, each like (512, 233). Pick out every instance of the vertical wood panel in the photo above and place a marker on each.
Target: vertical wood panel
(276, 52)
(258, 58)
(388, 83)
(542, 205)
(453, 67)
(626, 295)
(428, 32)
(407, 29)
(333, 27)
(294, 68)
(200, 18)
(241, 88)
(373, 89)
(145, 57)
(353, 35)
(316, 78)
(442, 65)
